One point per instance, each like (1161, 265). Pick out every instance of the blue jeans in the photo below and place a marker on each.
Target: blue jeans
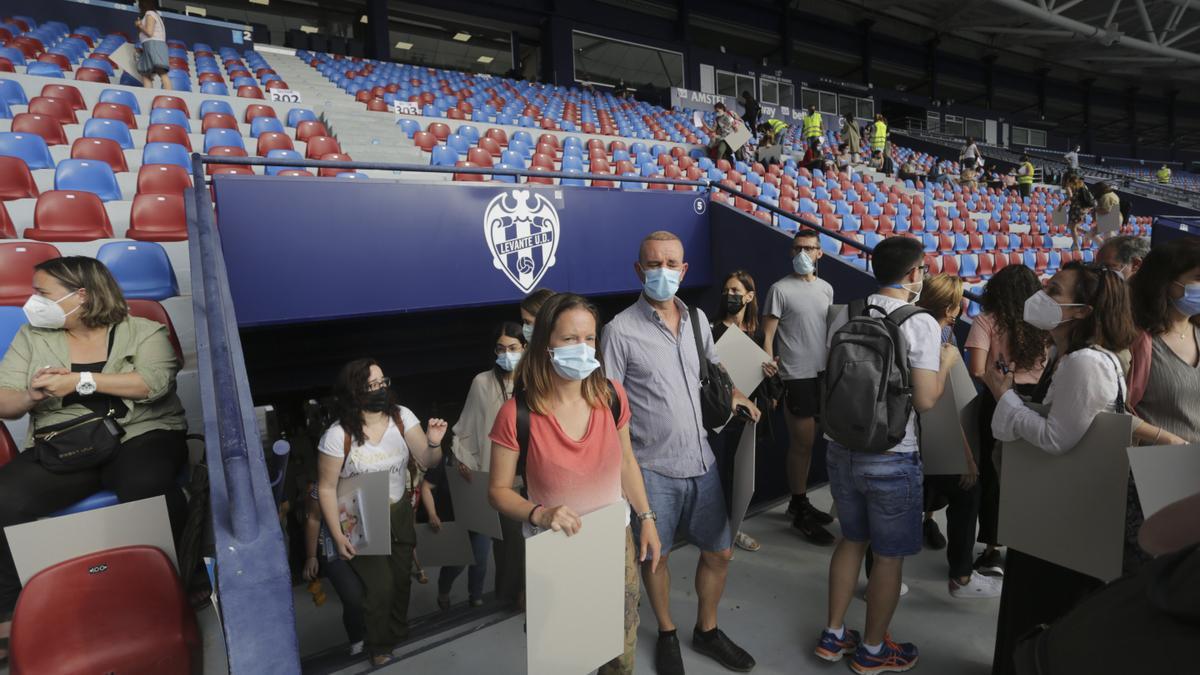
(879, 498)
(481, 546)
(694, 507)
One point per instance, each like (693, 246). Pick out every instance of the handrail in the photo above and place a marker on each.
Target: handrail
(495, 171)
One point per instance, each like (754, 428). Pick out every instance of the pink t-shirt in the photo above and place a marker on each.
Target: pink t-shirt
(985, 335)
(584, 475)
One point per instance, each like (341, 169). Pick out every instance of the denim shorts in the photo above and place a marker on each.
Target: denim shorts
(878, 497)
(692, 507)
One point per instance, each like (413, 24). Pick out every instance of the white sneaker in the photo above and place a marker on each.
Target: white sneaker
(862, 590)
(356, 648)
(978, 587)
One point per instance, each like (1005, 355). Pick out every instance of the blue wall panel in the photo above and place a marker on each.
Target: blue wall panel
(300, 250)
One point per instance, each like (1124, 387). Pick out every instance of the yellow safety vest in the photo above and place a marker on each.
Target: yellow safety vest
(879, 135)
(777, 126)
(1027, 179)
(1164, 175)
(812, 125)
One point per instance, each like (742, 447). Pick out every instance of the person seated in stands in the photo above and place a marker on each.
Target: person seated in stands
(844, 157)
(908, 170)
(968, 177)
(935, 171)
(83, 357)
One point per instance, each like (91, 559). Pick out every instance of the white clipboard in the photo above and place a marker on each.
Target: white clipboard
(1164, 474)
(742, 358)
(377, 509)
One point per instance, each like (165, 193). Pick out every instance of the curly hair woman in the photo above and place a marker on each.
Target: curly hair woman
(1000, 334)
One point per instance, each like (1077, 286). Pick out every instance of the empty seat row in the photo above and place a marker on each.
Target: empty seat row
(142, 269)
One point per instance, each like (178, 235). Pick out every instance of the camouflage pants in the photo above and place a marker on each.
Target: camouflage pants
(623, 664)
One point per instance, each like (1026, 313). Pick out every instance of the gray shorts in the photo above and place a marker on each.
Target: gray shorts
(154, 58)
(691, 507)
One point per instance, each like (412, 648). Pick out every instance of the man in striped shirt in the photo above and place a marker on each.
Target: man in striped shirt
(651, 350)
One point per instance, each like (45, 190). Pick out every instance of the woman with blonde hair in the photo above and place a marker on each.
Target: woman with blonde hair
(578, 456)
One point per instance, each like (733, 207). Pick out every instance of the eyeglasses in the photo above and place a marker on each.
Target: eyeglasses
(806, 249)
(376, 385)
(511, 349)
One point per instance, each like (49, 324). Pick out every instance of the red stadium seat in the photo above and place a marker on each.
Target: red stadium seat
(257, 110)
(17, 260)
(115, 111)
(7, 229)
(151, 309)
(491, 146)
(544, 161)
(498, 135)
(439, 129)
(6, 66)
(49, 128)
(59, 109)
(157, 218)
(377, 105)
(469, 177)
(273, 140)
(423, 140)
(65, 92)
(216, 120)
(321, 145)
(224, 151)
(8, 447)
(292, 173)
(544, 180)
(168, 133)
(309, 128)
(249, 91)
(16, 181)
(550, 139)
(985, 265)
(166, 101)
(69, 215)
(162, 179)
(102, 150)
(88, 74)
(147, 627)
(480, 157)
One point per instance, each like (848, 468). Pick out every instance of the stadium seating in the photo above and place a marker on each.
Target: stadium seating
(142, 269)
(87, 175)
(158, 217)
(16, 181)
(69, 215)
(153, 623)
(17, 260)
(30, 147)
(100, 149)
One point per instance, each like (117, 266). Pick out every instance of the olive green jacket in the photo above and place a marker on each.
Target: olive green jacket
(139, 346)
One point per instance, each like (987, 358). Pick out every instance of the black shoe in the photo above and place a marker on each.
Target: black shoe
(933, 536)
(723, 651)
(990, 564)
(813, 513)
(667, 658)
(811, 530)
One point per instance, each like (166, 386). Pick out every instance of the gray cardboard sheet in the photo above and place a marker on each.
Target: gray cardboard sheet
(743, 476)
(1069, 509)
(742, 359)
(950, 427)
(449, 547)
(575, 595)
(1164, 474)
(471, 507)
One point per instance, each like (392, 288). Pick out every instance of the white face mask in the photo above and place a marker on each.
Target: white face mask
(1042, 311)
(46, 313)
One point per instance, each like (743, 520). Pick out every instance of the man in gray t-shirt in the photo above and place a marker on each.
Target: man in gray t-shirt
(794, 323)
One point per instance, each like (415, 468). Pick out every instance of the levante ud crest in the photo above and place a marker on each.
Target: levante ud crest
(521, 228)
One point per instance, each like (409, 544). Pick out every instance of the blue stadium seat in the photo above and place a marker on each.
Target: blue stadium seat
(298, 115)
(101, 64)
(13, 54)
(170, 116)
(212, 106)
(443, 155)
(112, 129)
(214, 88)
(87, 175)
(262, 124)
(12, 92)
(29, 147)
(281, 153)
(167, 153)
(11, 320)
(353, 175)
(214, 138)
(141, 268)
(122, 96)
(43, 69)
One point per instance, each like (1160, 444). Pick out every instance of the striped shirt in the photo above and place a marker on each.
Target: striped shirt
(661, 376)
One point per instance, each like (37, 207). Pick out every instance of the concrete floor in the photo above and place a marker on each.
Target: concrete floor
(774, 607)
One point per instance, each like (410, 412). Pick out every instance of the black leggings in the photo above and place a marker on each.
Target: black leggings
(143, 466)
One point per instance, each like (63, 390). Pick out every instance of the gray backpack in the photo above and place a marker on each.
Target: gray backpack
(867, 395)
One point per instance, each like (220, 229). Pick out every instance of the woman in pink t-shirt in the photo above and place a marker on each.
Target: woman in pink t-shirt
(1000, 333)
(579, 459)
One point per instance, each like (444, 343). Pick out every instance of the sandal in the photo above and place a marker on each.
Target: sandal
(746, 542)
(381, 660)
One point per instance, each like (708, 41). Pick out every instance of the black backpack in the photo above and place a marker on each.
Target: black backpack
(614, 403)
(868, 379)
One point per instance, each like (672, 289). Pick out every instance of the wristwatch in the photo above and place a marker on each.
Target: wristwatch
(647, 515)
(87, 384)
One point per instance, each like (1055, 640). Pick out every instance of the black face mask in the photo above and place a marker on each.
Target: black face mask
(733, 303)
(376, 401)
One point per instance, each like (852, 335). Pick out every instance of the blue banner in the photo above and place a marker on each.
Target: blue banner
(312, 249)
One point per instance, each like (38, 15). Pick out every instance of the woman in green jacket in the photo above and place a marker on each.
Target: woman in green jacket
(82, 354)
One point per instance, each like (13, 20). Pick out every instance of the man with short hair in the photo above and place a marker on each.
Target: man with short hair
(1124, 255)
(813, 128)
(650, 348)
(879, 496)
(794, 327)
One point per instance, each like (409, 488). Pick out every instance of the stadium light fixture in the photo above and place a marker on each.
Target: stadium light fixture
(485, 59)
(260, 2)
(404, 45)
(462, 37)
(308, 29)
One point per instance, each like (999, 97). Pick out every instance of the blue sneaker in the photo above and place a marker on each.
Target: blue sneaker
(893, 658)
(832, 648)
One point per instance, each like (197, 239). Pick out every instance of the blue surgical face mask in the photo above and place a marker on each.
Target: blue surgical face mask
(508, 360)
(574, 362)
(527, 331)
(661, 283)
(802, 264)
(1189, 303)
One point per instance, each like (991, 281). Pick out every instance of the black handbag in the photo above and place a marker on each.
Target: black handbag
(82, 443)
(716, 389)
